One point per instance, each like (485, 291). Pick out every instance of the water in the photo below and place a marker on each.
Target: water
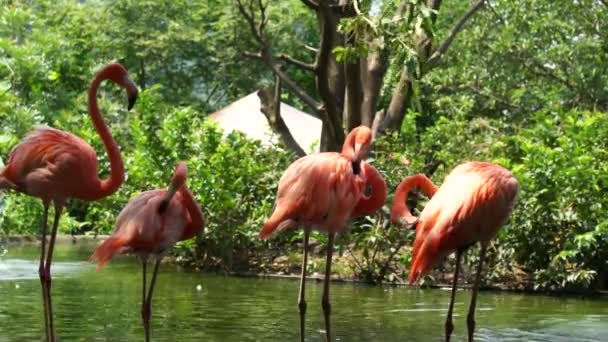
(104, 306)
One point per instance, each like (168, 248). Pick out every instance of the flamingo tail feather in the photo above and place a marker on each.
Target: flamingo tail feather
(425, 255)
(5, 183)
(278, 221)
(104, 253)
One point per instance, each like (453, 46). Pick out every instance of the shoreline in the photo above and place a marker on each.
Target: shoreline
(440, 286)
(91, 239)
(60, 239)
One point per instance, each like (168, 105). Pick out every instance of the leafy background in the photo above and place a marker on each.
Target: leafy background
(525, 85)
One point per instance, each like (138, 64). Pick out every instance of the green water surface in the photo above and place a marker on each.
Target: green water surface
(189, 306)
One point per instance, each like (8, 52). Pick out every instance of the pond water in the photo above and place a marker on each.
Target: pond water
(104, 306)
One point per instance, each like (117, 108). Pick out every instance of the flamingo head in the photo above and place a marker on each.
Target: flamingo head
(119, 75)
(357, 143)
(177, 181)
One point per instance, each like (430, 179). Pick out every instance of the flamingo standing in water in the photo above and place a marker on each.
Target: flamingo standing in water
(151, 224)
(55, 166)
(322, 191)
(471, 205)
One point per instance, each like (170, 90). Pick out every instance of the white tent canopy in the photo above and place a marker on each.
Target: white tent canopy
(245, 116)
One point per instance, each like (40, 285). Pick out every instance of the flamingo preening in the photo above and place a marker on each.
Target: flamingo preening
(55, 166)
(151, 224)
(322, 191)
(471, 205)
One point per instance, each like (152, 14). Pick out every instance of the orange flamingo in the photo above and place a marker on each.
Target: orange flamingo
(151, 224)
(55, 166)
(322, 191)
(471, 205)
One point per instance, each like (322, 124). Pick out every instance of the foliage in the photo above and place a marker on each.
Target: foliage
(524, 85)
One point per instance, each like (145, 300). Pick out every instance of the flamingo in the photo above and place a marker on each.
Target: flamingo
(471, 205)
(322, 191)
(55, 166)
(151, 224)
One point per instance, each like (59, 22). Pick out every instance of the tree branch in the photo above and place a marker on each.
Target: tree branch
(378, 119)
(322, 67)
(311, 48)
(432, 61)
(400, 102)
(372, 73)
(299, 92)
(254, 55)
(311, 4)
(250, 18)
(271, 108)
(354, 94)
(288, 59)
(265, 54)
(262, 24)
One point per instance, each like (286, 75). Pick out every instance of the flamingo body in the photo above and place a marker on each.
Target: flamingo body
(150, 224)
(144, 229)
(53, 165)
(471, 205)
(318, 191)
(322, 191)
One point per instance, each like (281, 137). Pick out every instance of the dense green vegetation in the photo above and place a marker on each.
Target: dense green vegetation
(524, 85)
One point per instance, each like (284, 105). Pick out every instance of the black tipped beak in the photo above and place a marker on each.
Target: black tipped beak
(132, 91)
(410, 222)
(132, 100)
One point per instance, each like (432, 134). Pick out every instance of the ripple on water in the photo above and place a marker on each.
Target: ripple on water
(105, 306)
(21, 269)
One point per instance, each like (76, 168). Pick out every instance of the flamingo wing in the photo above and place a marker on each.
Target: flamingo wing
(52, 164)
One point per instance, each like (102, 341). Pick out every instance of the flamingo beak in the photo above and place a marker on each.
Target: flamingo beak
(132, 91)
(164, 203)
(358, 151)
(132, 100)
(410, 221)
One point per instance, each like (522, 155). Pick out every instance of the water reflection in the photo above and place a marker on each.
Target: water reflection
(21, 269)
(104, 306)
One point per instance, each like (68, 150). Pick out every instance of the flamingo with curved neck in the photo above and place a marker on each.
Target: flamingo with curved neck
(323, 191)
(55, 166)
(151, 224)
(471, 205)
(400, 213)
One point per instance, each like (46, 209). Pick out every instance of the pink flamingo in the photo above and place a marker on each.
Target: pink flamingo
(322, 191)
(55, 166)
(471, 205)
(151, 224)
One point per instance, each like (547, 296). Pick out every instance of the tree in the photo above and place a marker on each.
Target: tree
(365, 50)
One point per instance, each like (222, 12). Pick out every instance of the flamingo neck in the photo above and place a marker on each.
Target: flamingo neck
(400, 209)
(369, 204)
(348, 149)
(197, 222)
(117, 173)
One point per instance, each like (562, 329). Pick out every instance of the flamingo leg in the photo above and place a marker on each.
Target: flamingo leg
(47, 267)
(449, 326)
(471, 314)
(148, 302)
(301, 300)
(41, 269)
(325, 301)
(144, 264)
